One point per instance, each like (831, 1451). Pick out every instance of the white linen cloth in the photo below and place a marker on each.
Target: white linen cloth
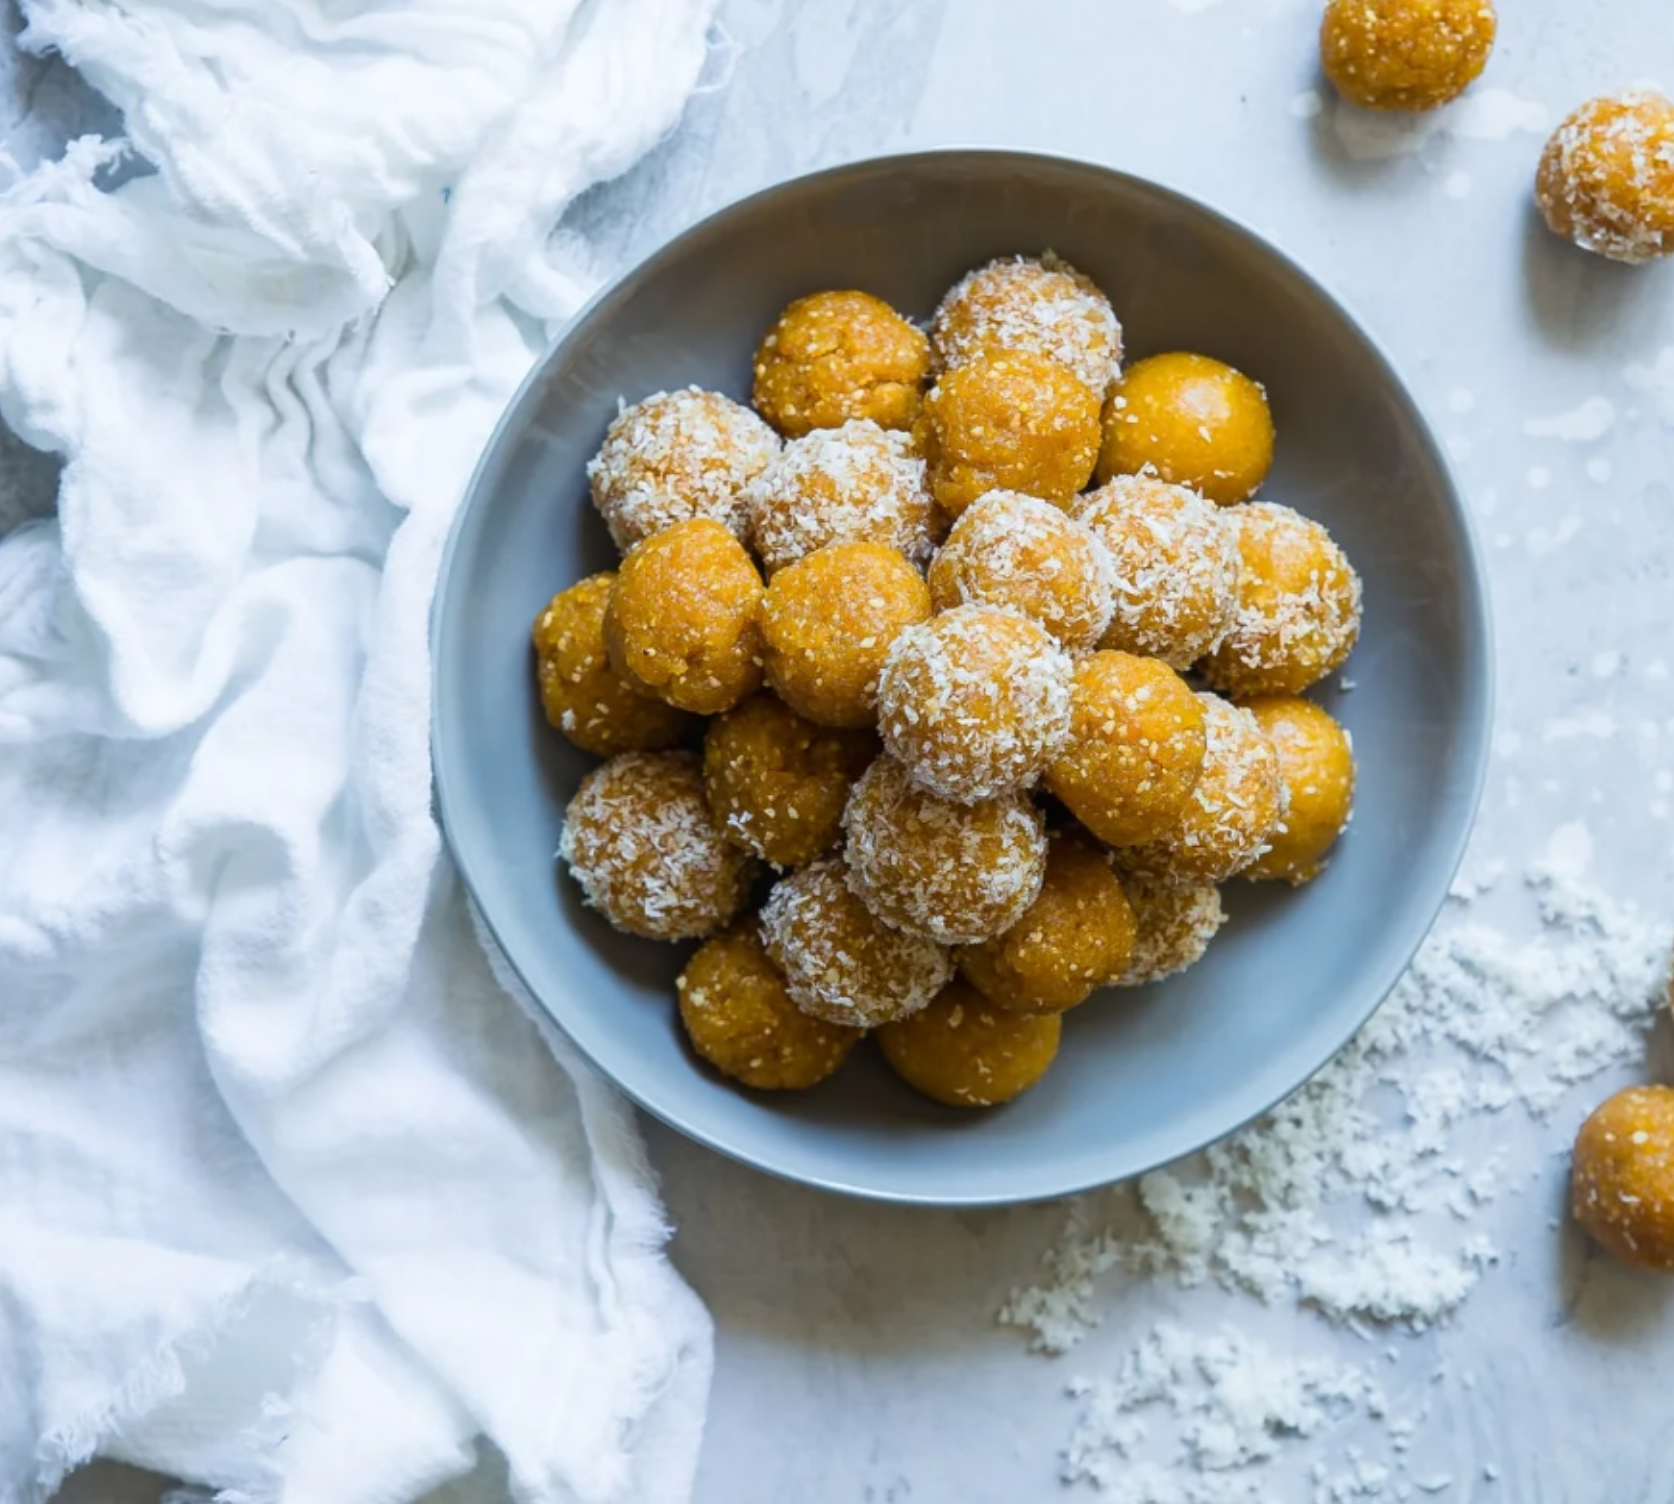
(293, 1203)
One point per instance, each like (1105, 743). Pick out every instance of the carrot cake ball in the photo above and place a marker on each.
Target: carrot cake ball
(974, 701)
(833, 356)
(857, 483)
(1606, 178)
(1041, 305)
(777, 783)
(1190, 420)
(583, 696)
(1026, 555)
(738, 1014)
(683, 622)
(1233, 812)
(1176, 568)
(957, 873)
(840, 963)
(1405, 54)
(1622, 1183)
(1074, 938)
(1174, 923)
(639, 839)
(1134, 751)
(829, 621)
(1316, 762)
(964, 1051)
(1009, 420)
(1298, 612)
(675, 456)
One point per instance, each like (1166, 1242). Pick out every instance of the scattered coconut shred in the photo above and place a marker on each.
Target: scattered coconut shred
(1482, 1022)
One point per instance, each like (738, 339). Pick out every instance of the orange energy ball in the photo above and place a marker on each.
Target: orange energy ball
(1606, 178)
(739, 1016)
(1174, 924)
(828, 622)
(1075, 937)
(1176, 568)
(639, 839)
(833, 356)
(1193, 421)
(1316, 762)
(675, 456)
(1026, 555)
(1135, 748)
(778, 783)
(1298, 614)
(1405, 54)
(857, 483)
(583, 696)
(1233, 811)
(1622, 1182)
(684, 619)
(1007, 421)
(1044, 306)
(974, 701)
(963, 1051)
(956, 873)
(840, 963)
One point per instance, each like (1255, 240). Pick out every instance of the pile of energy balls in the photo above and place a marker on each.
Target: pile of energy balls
(928, 607)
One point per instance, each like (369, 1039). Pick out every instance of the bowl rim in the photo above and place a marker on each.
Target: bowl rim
(1476, 615)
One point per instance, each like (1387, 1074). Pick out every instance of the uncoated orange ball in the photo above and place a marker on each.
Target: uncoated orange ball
(828, 622)
(1316, 763)
(583, 696)
(1405, 54)
(739, 1016)
(833, 356)
(1606, 178)
(1008, 420)
(777, 783)
(1191, 420)
(1075, 937)
(1622, 1181)
(963, 1051)
(684, 619)
(1134, 751)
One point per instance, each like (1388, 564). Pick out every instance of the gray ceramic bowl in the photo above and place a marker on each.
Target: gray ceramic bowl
(1145, 1076)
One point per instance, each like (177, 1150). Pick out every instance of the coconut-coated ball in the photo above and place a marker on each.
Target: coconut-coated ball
(1405, 54)
(965, 1051)
(1316, 762)
(1622, 1180)
(1174, 923)
(1606, 178)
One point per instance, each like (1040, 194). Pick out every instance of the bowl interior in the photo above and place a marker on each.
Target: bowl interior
(1144, 1076)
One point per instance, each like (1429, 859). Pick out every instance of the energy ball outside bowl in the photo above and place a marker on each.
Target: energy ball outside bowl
(640, 841)
(684, 619)
(1234, 809)
(1042, 305)
(582, 695)
(1175, 568)
(973, 702)
(1190, 420)
(964, 1051)
(841, 963)
(738, 1015)
(955, 873)
(1622, 1180)
(1316, 762)
(1135, 748)
(1026, 555)
(828, 622)
(1606, 178)
(1298, 614)
(1174, 923)
(675, 456)
(777, 783)
(1405, 54)
(833, 356)
(1074, 938)
(857, 483)
(1009, 420)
